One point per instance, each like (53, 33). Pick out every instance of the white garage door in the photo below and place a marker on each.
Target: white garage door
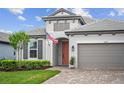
(101, 56)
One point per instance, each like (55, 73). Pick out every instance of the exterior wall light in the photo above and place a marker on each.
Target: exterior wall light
(48, 42)
(73, 49)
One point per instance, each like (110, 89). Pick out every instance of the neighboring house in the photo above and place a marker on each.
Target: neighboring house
(6, 51)
(93, 43)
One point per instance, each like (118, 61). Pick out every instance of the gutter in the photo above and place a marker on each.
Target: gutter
(37, 36)
(94, 32)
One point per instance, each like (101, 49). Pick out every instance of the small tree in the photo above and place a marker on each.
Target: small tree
(17, 40)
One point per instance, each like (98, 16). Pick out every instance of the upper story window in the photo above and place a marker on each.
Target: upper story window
(61, 26)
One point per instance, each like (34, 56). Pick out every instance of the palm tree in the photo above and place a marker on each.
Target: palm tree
(17, 41)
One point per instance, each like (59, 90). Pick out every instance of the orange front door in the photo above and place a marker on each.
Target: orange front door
(65, 53)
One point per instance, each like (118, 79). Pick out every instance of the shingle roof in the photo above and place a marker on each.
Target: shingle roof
(88, 19)
(38, 31)
(100, 25)
(4, 37)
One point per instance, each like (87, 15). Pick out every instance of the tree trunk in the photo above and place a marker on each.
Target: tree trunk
(18, 54)
(21, 47)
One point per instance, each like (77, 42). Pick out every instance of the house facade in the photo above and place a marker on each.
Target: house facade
(6, 50)
(95, 44)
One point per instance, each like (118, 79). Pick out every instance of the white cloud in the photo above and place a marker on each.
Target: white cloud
(21, 18)
(28, 25)
(5, 31)
(112, 13)
(120, 11)
(16, 10)
(38, 18)
(80, 11)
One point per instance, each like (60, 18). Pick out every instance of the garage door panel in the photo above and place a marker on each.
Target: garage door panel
(101, 56)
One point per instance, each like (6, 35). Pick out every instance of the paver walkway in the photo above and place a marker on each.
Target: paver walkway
(76, 76)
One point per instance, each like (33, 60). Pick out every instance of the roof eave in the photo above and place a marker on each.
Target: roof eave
(50, 18)
(37, 36)
(5, 42)
(94, 32)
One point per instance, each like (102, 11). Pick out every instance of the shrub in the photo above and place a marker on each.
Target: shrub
(8, 64)
(24, 64)
(72, 61)
(45, 63)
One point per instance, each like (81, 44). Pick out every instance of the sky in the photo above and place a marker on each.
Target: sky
(24, 19)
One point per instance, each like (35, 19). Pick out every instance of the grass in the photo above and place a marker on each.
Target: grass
(27, 77)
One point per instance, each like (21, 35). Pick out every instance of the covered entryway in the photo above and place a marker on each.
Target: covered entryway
(61, 52)
(101, 56)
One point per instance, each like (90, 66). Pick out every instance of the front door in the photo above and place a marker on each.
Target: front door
(65, 53)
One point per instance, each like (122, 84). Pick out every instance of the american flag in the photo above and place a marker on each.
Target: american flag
(50, 37)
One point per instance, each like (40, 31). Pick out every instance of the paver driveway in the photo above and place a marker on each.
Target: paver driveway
(76, 76)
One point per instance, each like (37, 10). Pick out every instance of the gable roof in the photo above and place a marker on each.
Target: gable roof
(4, 37)
(61, 10)
(101, 25)
(37, 31)
(83, 19)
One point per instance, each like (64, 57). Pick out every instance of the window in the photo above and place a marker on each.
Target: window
(61, 26)
(33, 49)
(33, 45)
(33, 53)
(14, 53)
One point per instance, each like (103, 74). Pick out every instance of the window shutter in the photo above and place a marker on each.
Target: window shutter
(61, 26)
(25, 51)
(40, 49)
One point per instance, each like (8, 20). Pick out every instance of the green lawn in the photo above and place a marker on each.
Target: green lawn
(27, 77)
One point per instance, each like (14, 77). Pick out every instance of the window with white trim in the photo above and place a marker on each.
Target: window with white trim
(33, 49)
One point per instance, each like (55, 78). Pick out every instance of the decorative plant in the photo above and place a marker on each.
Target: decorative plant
(72, 61)
(17, 40)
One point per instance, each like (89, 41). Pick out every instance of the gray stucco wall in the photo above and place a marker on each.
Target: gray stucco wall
(6, 51)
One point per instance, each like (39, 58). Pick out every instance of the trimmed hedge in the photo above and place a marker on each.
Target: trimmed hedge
(8, 65)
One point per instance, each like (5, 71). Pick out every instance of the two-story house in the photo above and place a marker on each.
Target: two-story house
(93, 43)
